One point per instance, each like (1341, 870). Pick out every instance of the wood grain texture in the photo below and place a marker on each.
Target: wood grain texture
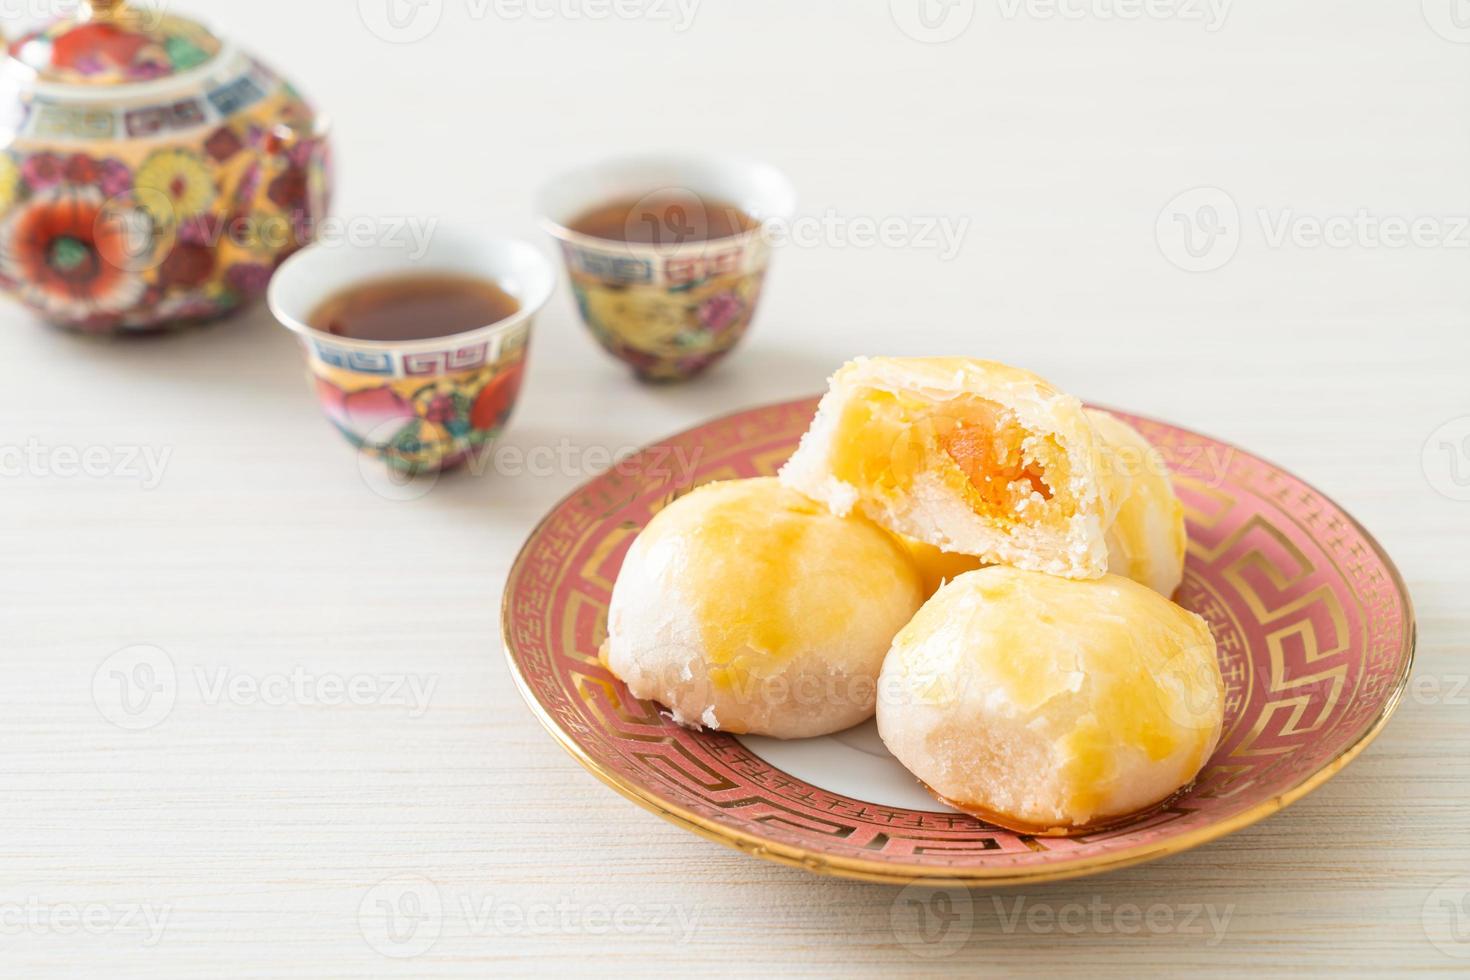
(257, 825)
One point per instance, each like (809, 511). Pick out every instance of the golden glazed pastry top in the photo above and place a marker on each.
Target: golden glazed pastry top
(744, 583)
(1110, 691)
(769, 572)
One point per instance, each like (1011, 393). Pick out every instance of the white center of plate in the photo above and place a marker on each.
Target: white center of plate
(854, 763)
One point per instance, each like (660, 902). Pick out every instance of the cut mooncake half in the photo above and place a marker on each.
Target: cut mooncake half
(1147, 540)
(971, 456)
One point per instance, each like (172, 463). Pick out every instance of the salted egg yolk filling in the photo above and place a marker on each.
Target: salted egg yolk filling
(975, 446)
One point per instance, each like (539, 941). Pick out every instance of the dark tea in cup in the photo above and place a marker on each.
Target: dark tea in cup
(416, 306)
(666, 254)
(670, 217)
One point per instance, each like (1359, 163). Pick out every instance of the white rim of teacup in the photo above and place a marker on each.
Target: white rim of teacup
(757, 188)
(322, 270)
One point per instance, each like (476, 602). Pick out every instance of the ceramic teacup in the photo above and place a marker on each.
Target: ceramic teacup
(419, 405)
(671, 308)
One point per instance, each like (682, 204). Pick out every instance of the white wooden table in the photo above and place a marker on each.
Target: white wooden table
(298, 767)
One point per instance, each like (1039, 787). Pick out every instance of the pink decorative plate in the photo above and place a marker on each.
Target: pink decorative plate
(1314, 626)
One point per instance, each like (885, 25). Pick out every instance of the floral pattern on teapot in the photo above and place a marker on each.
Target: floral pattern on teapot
(164, 203)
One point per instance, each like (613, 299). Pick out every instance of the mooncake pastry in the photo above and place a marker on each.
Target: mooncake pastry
(970, 456)
(936, 566)
(1146, 540)
(747, 607)
(1048, 705)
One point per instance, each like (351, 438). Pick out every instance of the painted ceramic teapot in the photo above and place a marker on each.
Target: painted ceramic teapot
(151, 174)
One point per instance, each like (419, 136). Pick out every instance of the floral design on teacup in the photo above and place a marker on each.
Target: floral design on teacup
(670, 305)
(420, 404)
(420, 424)
(669, 333)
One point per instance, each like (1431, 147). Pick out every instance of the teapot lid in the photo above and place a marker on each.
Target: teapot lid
(109, 42)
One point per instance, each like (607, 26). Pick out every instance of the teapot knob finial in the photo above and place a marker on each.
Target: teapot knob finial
(102, 8)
